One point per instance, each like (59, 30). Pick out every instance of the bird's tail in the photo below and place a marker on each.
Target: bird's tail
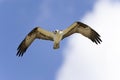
(56, 46)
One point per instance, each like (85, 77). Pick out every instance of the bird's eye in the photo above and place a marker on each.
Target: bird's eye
(56, 31)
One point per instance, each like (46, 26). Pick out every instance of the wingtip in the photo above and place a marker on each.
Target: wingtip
(20, 52)
(95, 37)
(96, 40)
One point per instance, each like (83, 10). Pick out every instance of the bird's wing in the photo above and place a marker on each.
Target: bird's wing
(35, 33)
(85, 30)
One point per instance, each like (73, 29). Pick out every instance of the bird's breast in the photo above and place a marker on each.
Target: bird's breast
(57, 38)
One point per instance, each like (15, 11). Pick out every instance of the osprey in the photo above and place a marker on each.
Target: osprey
(58, 35)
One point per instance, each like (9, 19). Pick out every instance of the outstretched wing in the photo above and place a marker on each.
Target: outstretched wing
(35, 33)
(85, 30)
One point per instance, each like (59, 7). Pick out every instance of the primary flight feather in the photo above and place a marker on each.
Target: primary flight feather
(58, 35)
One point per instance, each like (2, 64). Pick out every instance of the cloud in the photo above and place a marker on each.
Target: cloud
(84, 60)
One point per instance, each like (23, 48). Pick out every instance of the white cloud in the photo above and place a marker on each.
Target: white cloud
(83, 60)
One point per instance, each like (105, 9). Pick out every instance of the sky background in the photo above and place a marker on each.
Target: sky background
(78, 58)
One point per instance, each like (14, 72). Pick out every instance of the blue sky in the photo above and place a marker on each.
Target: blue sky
(17, 18)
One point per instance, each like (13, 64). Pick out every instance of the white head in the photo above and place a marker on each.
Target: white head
(58, 31)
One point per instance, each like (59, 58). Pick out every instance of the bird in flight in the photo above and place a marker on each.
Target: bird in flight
(58, 35)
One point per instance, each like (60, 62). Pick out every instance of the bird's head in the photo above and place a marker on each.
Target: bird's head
(57, 31)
